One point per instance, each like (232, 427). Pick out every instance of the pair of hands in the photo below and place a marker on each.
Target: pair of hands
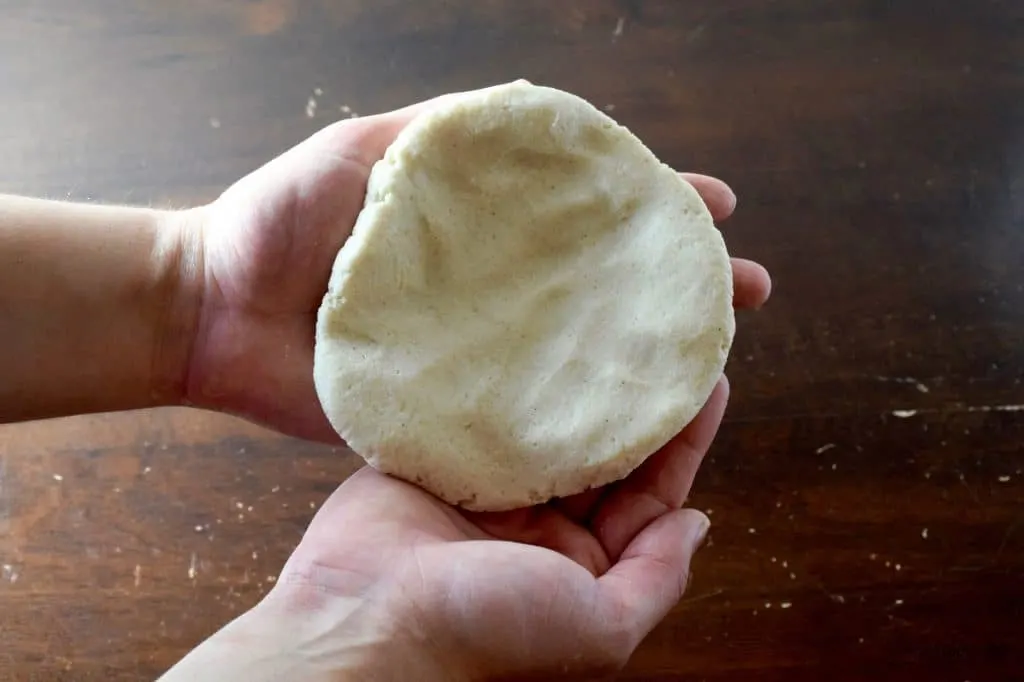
(400, 583)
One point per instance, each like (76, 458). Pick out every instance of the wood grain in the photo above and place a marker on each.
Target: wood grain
(866, 494)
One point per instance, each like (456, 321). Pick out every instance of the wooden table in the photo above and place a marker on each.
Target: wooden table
(867, 492)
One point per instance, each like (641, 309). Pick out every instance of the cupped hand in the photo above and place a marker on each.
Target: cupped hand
(562, 589)
(268, 245)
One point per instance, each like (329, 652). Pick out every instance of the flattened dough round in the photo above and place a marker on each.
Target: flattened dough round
(530, 303)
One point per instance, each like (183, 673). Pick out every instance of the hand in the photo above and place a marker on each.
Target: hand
(268, 245)
(390, 583)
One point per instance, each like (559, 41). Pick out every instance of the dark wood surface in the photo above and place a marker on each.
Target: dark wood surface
(867, 491)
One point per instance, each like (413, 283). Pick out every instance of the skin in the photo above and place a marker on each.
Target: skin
(215, 307)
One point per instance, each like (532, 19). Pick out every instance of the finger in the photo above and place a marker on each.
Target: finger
(581, 507)
(717, 196)
(544, 526)
(661, 484)
(653, 572)
(751, 283)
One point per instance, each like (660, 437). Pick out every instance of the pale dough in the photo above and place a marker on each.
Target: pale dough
(530, 303)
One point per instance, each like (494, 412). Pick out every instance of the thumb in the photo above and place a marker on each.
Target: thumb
(651, 576)
(374, 134)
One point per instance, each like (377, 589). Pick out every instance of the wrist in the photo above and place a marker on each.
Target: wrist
(99, 304)
(284, 637)
(372, 637)
(178, 264)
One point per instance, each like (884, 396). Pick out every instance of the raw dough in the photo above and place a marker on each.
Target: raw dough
(530, 303)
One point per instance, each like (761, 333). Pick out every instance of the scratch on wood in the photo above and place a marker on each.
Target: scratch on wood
(701, 597)
(1006, 539)
(970, 490)
(620, 26)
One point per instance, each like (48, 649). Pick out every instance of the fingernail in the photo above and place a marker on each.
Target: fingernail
(699, 534)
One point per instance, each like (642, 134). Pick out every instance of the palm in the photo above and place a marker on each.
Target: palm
(453, 574)
(510, 570)
(270, 244)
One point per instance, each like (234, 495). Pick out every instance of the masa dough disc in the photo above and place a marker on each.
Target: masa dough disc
(530, 303)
